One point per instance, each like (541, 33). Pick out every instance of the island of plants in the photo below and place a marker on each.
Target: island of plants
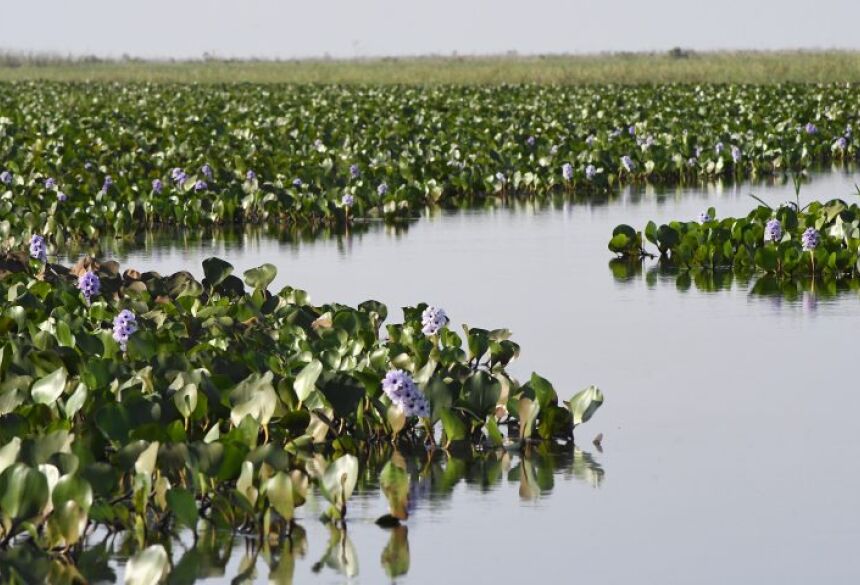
(788, 242)
(84, 160)
(144, 403)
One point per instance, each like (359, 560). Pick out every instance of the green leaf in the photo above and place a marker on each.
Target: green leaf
(455, 428)
(306, 380)
(23, 492)
(584, 404)
(216, 270)
(279, 493)
(339, 480)
(48, 389)
(261, 277)
(255, 396)
(527, 411)
(394, 482)
(147, 567)
(182, 504)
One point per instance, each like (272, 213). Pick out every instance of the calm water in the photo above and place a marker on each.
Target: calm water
(730, 420)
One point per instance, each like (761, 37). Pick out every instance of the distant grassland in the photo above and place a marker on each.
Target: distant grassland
(676, 66)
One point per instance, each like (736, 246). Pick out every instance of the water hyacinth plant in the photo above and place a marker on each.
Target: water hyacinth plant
(820, 239)
(163, 400)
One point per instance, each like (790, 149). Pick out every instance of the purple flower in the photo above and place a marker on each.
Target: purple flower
(38, 250)
(347, 200)
(433, 319)
(810, 239)
(354, 171)
(297, 183)
(250, 175)
(590, 140)
(590, 172)
(382, 189)
(773, 231)
(718, 148)
(810, 128)
(62, 197)
(88, 166)
(841, 143)
(736, 154)
(179, 176)
(89, 284)
(704, 217)
(50, 183)
(402, 391)
(157, 185)
(200, 186)
(627, 162)
(530, 141)
(632, 130)
(107, 184)
(207, 171)
(124, 325)
(567, 171)
(6, 178)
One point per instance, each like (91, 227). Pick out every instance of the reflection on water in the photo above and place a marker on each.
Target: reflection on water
(244, 557)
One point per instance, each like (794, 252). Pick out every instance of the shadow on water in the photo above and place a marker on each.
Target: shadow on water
(224, 555)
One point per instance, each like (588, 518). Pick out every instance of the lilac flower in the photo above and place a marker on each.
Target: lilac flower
(250, 175)
(297, 183)
(88, 166)
(810, 239)
(157, 185)
(62, 197)
(773, 231)
(50, 183)
(530, 141)
(354, 171)
(207, 171)
(632, 130)
(6, 178)
(627, 162)
(179, 176)
(89, 284)
(38, 250)
(107, 184)
(736, 154)
(200, 186)
(810, 128)
(841, 143)
(704, 217)
(433, 319)
(848, 131)
(347, 200)
(382, 189)
(590, 172)
(567, 171)
(590, 140)
(124, 325)
(402, 391)
(718, 148)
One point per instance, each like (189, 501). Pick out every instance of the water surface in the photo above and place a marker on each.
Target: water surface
(730, 419)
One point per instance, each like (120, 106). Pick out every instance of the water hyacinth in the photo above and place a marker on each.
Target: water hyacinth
(567, 171)
(402, 391)
(157, 186)
(704, 217)
(627, 163)
(89, 284)
(810, 128)
(124, 325)
(50, 183)
(207, 171)
(590, 172)
(810, 239)
(841, 143)
(354, 171)
(773, 231)
(62, 197)
(382, 189)
(590, 140)
(347, 200)
(433, 319)
(38, 249)
(530, 141)
(179, 176)
(200, 186)
(297, 183)
(631, 130)
(718, 148)
(107, 184)
(736, 154)
(250, 175)
(6, 178)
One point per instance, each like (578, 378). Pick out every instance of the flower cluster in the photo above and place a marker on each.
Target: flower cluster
(530, 141)
(382, 189)
(200, 186)
(108, 183)
(207, 171)
(347, 200)
(250, 175)
(590, 172)
(810, 128)
(628, 163)
(89, 284)
(567, 171)
(50, 183)
(123, 326)
(179, 176)
(773, 231)
(433, 319)
(62, 197)
(402, 391)
(297, 183)
(38, 249)
(6, 178)
(354, 171)
(157, 185)
(810, 239)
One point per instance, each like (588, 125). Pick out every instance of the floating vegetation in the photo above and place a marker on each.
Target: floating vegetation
(143, 403)
(85, 160)
(789, 241)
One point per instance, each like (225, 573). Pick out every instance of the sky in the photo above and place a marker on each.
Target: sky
(367, 28)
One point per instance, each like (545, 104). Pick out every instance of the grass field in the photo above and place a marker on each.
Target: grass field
(641, 68)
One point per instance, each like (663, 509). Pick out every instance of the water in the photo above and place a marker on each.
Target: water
(729, 422)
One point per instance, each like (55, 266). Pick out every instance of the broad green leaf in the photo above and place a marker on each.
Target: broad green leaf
(46, 390)
(147, 567)
(584, 404)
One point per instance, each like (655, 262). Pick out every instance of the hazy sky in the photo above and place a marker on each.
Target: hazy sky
(347, 28)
